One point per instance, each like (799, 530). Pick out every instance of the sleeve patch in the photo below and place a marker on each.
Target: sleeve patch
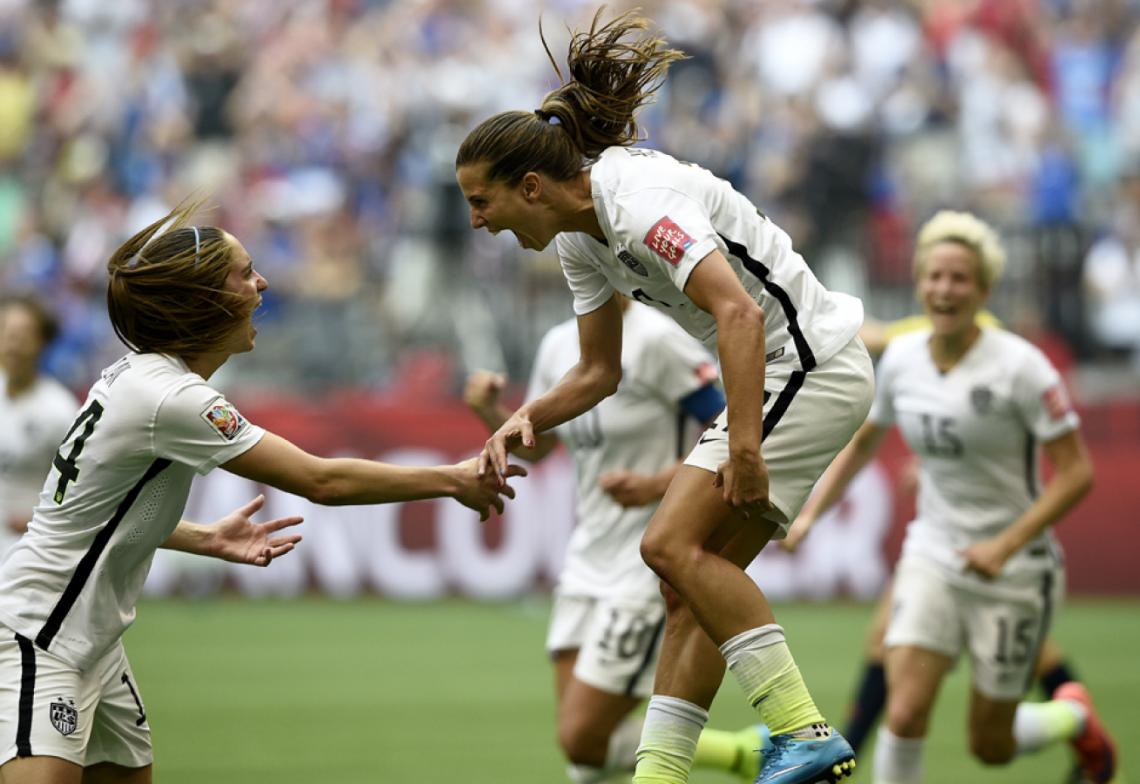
(668, 240)
(225, 419)
(1056, 401)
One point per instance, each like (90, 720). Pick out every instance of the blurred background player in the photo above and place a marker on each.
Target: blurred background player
(870, 695)
(608, 614)
(36, 411)
(797, 378)
(979, 570)
(183, 301)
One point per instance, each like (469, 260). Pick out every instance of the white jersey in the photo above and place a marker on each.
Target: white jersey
(976, 430)
(639, 428)
(660, 217)
(115, 493)
(34, 424)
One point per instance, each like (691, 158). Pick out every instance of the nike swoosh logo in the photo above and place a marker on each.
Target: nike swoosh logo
(786, 771)
(706, 439)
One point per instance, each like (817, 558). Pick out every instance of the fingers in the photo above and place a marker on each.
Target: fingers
(515, 470)
(484, 462)
(253, 506)
(282, 522)
(508, 491)
(527, 433)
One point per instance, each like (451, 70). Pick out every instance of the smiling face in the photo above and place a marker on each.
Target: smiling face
(950, 289)
(248, 284)
(496, 206)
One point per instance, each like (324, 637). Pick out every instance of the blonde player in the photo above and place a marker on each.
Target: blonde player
(608, 611)
(183, 301)
(36, 411)
(798, 381)
(979, 570)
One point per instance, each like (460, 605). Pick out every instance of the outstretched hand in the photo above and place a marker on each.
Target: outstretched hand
(493, 460)
(484, 490)
(237, 538)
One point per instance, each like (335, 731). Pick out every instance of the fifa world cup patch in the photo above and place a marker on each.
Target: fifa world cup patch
(225, 419)
(64, 717)
(668, 240)
(1056, 401)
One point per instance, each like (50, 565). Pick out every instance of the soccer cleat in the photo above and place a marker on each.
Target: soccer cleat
(789, 760)
(1096, 751)
(752, 745)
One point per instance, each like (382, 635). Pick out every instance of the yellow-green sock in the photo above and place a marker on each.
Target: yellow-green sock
(763, 665)
(668, 741)
(734, 752)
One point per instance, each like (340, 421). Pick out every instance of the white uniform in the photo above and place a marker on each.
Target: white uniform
(34, 424)
(608, 603)
(68, 588)
(976, 430)
(660, 218)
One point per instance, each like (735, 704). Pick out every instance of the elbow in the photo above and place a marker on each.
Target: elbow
(320, 487)
(1084, 480)
(608, 383)
(743, 312)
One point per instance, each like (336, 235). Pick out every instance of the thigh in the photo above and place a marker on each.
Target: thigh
(108, 773)
(121, 733)
(40, 770)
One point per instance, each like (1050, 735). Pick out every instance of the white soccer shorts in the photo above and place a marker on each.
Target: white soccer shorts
(48, 708)
(1001, 623)
(618, 640)
(808, 418)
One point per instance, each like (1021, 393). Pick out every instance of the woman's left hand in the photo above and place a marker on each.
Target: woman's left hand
(986, 558)
(745, 484)
(237, 538)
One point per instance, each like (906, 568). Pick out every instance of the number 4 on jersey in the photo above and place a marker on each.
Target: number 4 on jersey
(68, 471)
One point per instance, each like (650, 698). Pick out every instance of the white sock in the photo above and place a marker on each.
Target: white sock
(621, 754)
(897, 760)
(669, 738)
(584, 774)
(1040, 724)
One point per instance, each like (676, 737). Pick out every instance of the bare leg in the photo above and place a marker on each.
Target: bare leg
(40, 770)
(106, 773)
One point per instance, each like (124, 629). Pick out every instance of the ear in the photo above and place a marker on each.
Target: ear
(532, 186)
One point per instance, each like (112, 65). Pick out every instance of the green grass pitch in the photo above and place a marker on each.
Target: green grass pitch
(317, 690)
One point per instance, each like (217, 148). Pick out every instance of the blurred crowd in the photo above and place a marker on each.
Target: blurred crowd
(323, 132)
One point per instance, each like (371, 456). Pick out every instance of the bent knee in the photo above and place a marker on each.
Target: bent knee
(582, 743)
(907, 718)
(989, 750)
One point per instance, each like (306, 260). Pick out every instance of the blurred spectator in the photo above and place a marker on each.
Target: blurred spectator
(1112, 274)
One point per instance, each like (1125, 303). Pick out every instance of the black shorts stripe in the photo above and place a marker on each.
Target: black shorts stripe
(807, 357)
(783, 400)
(1046, 622)
(27, 696)
(91, 557)
(631, 684)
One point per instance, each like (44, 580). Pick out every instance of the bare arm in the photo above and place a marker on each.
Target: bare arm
(849, 462)
(1072, 479)
(714, 287)
(481, 394)
(594, 378)
(339, 481)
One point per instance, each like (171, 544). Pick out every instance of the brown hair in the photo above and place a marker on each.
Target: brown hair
(46, 322)
(166, 293)
(611, 78)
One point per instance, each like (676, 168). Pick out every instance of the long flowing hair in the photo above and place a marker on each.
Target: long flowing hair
(613, 72)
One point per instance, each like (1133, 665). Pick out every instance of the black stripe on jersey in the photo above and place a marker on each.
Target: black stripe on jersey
(1031, 464)
(646, 660)
(27, 696)
(783, 400)
(91, 557)
(1046, 622)
(807, 358)
(680, 448)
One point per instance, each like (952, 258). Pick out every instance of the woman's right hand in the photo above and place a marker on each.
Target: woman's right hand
(482, 490)
(516, 431)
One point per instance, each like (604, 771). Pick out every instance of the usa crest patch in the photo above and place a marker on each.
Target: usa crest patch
(64, 717)
(668, 240)
(225, 419)
(1056, 401)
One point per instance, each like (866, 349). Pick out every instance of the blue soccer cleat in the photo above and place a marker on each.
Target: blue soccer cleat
(789, 760)
(752, 744)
